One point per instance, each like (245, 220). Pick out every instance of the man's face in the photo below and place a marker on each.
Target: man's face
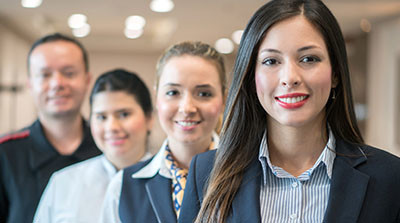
(57, 78)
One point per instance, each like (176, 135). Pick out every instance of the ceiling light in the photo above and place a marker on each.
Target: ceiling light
(135, 22)
(76, 21)
(161, 5)
(82, 31)
(365, 25)
(224, 46)
(236, 36)
(133, 33)
(31, 3)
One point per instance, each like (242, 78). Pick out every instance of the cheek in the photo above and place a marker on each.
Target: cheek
(262, 86)
(136, 125)
(38, 87)
(214, 109)
(164, 109)
(323, 83)
(97, 133)
(80, 85)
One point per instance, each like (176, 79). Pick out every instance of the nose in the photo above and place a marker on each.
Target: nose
(112, 124)
(187, 105)
(290, 75)
(57, 80)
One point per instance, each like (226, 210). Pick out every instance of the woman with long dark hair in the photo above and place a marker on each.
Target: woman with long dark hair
(290, 147)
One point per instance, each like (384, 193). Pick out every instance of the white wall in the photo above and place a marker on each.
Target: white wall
(16, 108)
(384, 86)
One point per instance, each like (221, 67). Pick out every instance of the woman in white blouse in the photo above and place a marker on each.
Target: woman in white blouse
(120, 121)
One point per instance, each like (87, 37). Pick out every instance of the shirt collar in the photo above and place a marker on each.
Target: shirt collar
(42, 150)
(110, 168)
(327, 156)
(157, 164)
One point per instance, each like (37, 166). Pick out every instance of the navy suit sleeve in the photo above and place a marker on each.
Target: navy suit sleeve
(191, 202)
(3, 197)
(3, 204)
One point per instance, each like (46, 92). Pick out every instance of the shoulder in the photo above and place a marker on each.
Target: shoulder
(381, 160)
(15, 136)
(80, 169)
(136, 167)
(203, 159)
(14, 144)
(201, 165)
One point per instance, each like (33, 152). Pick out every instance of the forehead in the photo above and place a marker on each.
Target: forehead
(295, 31)
(56, 52)
(189, 69)
(113, 100)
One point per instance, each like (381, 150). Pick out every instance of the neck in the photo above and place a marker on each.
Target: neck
(65, 134)
(184, 152)
(296, 149)
(125, 161)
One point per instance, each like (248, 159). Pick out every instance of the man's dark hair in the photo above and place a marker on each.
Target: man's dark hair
(60, 37)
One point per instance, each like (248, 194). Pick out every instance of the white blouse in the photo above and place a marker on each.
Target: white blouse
(76, 193)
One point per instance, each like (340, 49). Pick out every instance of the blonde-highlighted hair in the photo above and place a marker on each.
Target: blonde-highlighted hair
(197, 49)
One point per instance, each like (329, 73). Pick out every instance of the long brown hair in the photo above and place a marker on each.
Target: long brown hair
(244, 115)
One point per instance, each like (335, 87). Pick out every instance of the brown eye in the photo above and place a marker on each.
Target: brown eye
(310, 59)
(172, 93)
(124, 114)
(269, 62)
(205, 94)
(100, 117)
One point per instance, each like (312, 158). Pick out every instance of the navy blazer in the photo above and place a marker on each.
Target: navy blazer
(365, 187)
(146, 199)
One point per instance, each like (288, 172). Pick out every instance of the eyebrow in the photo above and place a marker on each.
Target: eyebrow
(197, 86)
(68, 67)
(203, 86)
(299, 50)
(171, 84)
(118, 110)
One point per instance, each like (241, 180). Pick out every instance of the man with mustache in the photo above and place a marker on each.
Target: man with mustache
(58, 79)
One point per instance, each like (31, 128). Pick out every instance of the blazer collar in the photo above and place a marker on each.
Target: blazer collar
(348, 185)
(159, 192)
(249, 194)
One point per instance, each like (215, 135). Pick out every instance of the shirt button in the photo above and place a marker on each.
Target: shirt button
(295, 184)
(293, 216)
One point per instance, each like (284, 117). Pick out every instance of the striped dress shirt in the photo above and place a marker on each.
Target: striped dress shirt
(285, 198)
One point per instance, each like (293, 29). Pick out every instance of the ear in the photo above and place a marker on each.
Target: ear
(88, 77)
(335, 80)
(150, 123)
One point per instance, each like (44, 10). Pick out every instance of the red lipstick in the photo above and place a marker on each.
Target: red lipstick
(292, 101)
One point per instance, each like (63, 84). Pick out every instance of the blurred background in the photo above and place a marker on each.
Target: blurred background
(132, 34)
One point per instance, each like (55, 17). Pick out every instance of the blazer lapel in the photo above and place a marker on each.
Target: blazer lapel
(160, 195)
(246, 205)
(348, 186)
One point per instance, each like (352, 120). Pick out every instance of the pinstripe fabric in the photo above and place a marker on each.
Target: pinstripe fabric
(284, 198)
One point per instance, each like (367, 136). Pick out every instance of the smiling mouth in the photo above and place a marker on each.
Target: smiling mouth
(116, 141)
(187, 123)
(292, 100)
(58, 97)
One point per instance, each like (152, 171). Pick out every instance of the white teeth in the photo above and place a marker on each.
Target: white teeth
(292, 99)
(187, 123)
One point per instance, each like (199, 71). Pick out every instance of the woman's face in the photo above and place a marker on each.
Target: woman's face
(119, 126)
(293, 73)
(189, 99)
